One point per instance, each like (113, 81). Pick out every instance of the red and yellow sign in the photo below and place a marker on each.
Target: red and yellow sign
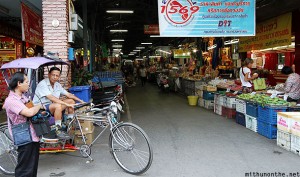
(272, 33)
(32, 26)
(151, 29)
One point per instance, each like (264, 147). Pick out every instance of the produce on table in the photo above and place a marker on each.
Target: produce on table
(264, 99)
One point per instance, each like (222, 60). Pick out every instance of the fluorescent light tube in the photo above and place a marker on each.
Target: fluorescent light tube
(118, 31)
(119, 11)
(117, 40)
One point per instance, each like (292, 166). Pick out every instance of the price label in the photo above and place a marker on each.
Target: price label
(253, 93)
(285, 97)
(236, 92)
(228, 90)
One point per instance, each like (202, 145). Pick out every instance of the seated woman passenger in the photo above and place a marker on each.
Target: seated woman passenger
(292, 84)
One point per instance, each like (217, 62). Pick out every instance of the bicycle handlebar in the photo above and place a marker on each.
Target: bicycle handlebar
(80, 105)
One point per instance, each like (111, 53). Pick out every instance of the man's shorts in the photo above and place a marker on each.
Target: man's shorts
(47, 107)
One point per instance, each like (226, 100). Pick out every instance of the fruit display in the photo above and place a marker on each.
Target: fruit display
(264, 99)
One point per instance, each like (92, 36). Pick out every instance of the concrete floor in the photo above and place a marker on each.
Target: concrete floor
(187, 142)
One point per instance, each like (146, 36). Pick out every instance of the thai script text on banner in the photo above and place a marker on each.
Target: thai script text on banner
(271, 33)
(192, 18)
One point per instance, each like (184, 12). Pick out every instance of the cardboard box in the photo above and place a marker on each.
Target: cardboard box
(284, 120)
(89, 137)
(295, 125)
(211, 88)
(86, 125)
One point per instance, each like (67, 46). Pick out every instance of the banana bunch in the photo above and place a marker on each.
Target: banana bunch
(264, 99)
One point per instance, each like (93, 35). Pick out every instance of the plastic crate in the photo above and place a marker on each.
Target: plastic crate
(293, 109)
(251, 109)
(269, 114)
(230, 102)
(82, 92)
(240, 119)
(201, 102)
(218, 109)
(216, 97)
(208, 95)
(251, 123)
(240, 106)
(284, 140)
(228, 113)
(209, 104)
(295, 144)
(266, 129)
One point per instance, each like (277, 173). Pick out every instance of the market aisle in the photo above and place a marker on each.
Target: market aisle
(192, 141)
(187, 142)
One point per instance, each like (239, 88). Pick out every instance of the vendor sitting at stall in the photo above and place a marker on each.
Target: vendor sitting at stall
(245, 75)
(292, 84)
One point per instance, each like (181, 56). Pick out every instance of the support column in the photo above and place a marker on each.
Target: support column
(296, 24)
(55, 30)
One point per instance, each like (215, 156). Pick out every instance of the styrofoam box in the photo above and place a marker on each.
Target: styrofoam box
(295, 125)
(201, 102)
(209, 104)
(295, 144)
(216, 97)
(251, 123)
(221, 100)
(218, 109)
(284, 140)
(284, 120)
(230, 102)
(240, 106)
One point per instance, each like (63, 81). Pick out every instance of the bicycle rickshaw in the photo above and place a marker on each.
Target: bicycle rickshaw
(128, 143)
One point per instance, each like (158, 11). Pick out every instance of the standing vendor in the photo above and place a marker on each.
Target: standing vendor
(292, 84)
(245, 75)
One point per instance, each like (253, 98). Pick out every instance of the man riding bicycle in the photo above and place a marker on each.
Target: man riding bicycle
(48, 93)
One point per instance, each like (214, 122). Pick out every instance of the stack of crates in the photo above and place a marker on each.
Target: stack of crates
(240, 108)
(228, 108)
(295, 133)
(208, 99)
(284, 121)
(267, 120)
(199, 93)
(218, 103)
(251, 115)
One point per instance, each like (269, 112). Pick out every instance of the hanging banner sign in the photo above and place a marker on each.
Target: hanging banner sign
(272, 33)
(206, 18)
(32, 26)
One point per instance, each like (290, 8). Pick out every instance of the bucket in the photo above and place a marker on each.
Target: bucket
(192, 100)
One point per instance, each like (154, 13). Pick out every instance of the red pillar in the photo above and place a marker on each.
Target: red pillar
(296, 24)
